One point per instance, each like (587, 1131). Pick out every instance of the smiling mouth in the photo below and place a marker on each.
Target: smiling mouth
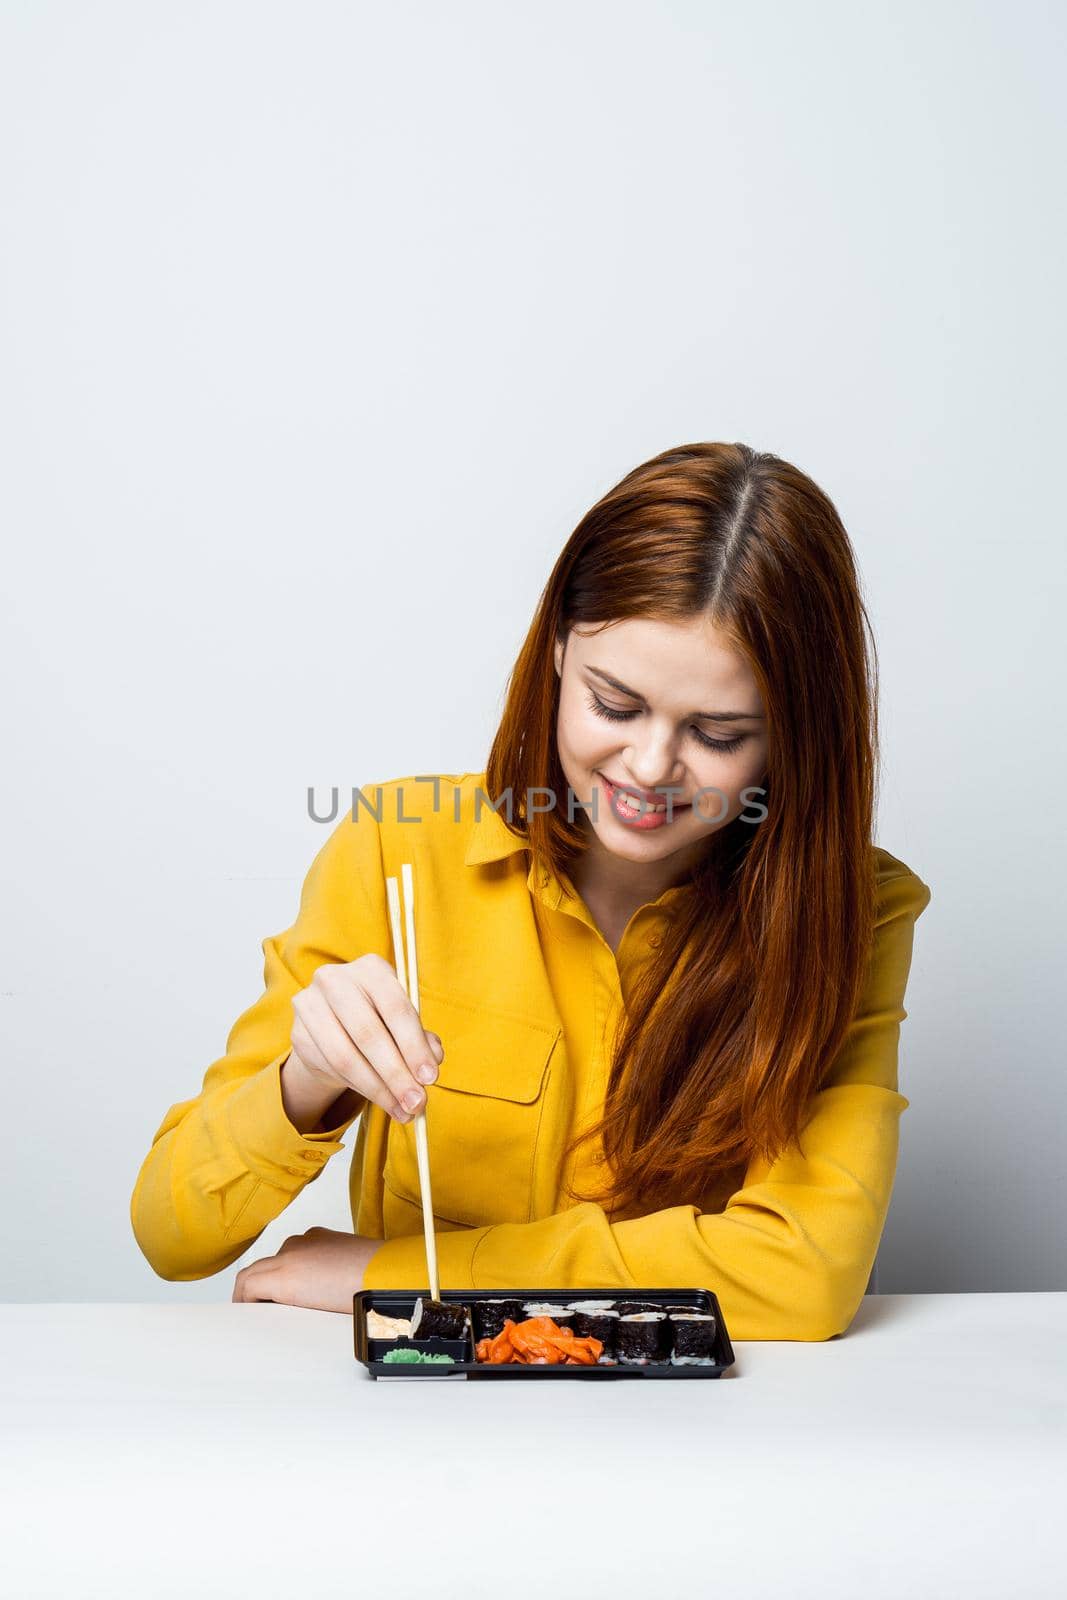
(635, 801)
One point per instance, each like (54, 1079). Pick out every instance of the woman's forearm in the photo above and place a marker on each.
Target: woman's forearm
(225, 1165)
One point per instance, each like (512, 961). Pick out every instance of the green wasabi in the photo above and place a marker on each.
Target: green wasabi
(406, 1354)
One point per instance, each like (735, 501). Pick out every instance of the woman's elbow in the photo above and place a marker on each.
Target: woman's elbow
(832, 1308)
(172, 1255)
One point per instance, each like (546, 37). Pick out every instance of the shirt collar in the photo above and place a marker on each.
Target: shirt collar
(491, 839)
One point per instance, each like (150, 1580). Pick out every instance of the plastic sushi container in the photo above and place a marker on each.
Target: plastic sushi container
(643, 1333)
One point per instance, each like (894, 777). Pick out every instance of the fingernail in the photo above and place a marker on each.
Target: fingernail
(426, 1073)
(412, 1100)
(438, 1049)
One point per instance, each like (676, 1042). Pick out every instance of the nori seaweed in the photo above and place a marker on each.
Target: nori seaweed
(694, 1338)
(645, 1341)
(439, 1319)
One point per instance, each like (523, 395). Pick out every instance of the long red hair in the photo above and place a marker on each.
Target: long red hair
(737, 1017)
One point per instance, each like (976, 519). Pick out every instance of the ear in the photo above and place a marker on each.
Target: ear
(557, 655)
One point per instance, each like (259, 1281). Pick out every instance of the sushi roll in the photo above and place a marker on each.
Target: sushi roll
(694, 1338)
(491, 1315)
(591, 1305)
(602, 1325)
(438, 1319)
(630, 1308)
(561, 1315)
(642, 1336)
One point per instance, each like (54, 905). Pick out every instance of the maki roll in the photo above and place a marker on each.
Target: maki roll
(597, 1324)
(694, 1338)
(630, 1308)
(438, 1319)
(491, 1315)
(561, 1315)
(592, 1305)
(642, 1336)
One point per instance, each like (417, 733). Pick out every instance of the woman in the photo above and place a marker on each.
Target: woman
(660, 1049)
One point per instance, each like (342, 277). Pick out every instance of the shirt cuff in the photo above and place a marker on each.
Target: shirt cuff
(267, 1141)
(401, 1263)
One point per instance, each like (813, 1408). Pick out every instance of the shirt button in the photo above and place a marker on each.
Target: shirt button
(598, 1160)
(655, 941)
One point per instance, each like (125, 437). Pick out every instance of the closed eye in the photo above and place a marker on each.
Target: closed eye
(610, 714)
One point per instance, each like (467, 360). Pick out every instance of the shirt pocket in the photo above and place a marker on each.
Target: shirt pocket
(483, 1114)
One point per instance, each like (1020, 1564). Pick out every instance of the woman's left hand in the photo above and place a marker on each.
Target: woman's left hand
(320, 1269)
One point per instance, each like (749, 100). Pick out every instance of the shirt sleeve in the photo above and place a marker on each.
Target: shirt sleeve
(790, 1255)
(225, 1163)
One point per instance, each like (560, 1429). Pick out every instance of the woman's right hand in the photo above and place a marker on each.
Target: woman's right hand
(355, 1028)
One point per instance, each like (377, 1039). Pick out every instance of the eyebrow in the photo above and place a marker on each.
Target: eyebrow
(711, 716)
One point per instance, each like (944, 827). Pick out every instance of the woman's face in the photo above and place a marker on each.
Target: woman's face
(643, 705)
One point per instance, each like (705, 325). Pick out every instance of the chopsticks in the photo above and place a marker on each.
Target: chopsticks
(411, 989)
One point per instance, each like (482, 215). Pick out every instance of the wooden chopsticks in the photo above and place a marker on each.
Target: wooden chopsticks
(410, 985)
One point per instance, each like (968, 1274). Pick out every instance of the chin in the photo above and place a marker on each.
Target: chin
(636, 845)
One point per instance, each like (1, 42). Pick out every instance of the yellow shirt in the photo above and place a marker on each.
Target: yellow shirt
(525, 992)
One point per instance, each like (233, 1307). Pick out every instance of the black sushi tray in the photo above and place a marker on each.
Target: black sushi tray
(401, 1303)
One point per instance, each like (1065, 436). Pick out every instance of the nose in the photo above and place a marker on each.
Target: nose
(653, 763)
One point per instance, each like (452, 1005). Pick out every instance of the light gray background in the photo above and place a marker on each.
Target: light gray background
(321, 327)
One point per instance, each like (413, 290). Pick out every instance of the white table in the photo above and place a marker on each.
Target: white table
(237, 1450)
